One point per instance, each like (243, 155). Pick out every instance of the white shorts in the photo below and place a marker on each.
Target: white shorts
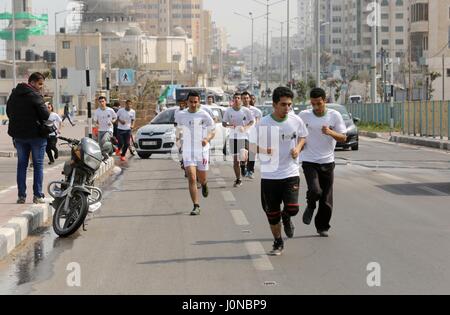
(200, 165)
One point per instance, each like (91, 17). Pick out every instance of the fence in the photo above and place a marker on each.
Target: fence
(421, 118)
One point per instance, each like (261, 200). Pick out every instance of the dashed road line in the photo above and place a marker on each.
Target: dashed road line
(228, 196)
(239, 217)
(259, 256)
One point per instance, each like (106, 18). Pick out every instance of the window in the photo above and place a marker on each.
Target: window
(66, 45)
(2, 74)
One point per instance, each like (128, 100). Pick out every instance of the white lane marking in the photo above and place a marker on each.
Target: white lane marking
(221, 182)
(239, 217)
(259, 256)
(434, 191)
(228, 196)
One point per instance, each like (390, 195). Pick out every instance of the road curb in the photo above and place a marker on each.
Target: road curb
(430, 143)
(13, 154)
(368, 134)
(35, 217)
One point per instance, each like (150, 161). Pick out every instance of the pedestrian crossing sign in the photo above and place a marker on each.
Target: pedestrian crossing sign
(126, 77)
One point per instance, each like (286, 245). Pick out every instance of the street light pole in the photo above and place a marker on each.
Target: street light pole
(288, 45)
(281, 54)
(373, 88)
(14, 42)
(318, 43)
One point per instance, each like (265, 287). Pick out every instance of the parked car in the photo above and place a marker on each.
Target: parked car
(159, 137)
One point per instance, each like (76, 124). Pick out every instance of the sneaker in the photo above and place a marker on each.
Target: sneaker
(250, 175)
(323, 233)
(238, 183)
(118, 153)
(288, 226)
(307, 216)
(278, 247)
(205, 190)
(56, 155)
(195, 211)
(123, 159)
(51, 162)
(38, 200)
(21, 200)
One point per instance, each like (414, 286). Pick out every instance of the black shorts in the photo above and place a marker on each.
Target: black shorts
(274, 192)
(237, 144)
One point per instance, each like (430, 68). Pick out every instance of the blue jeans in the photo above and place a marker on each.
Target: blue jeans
(37, 149)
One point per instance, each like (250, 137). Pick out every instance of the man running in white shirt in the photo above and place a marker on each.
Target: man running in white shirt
(198, 130)
(239, 119)
(104, 118)
(281, 138)
(126, 117)
(257, 115)
(326, 127)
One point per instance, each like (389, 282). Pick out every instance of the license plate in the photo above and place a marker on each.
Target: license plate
(149, 142)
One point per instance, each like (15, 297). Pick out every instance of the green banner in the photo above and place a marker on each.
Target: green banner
(24, 16)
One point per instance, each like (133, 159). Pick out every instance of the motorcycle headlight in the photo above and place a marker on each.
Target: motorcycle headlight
(91, 162)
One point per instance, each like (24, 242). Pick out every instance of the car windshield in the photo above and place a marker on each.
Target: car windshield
(342, 110)
(165, 118)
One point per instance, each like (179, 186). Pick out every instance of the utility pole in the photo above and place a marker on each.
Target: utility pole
(251, 63)
(391, 64)
(373, 88)
(443, 77)
(14, 42)
(267, 48)
(88, 85)
(288, 45)
(281, 54)
(318, 43)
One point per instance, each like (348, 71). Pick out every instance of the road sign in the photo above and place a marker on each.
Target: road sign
(126, 77)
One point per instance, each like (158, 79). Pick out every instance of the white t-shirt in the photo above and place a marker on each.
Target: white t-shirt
(196, 127)
(319, 147)
(105, 119)
(127, 116)
(55, 120)
(238, 118)
(281, 137)
(208, 110)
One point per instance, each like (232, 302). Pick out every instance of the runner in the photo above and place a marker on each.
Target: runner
(126, 117)
(281, 138)
(239, 119)
(257, 115)
(198, 129)
(104, 118)
(326, 127)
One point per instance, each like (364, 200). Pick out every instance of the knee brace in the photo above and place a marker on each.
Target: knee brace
(274, 217)
(292, 209)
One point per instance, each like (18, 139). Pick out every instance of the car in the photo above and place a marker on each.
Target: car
(158, 137)
(350, 122)
(265, 109)
(243, 86)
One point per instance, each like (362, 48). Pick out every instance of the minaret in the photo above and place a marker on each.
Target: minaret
(19, 6)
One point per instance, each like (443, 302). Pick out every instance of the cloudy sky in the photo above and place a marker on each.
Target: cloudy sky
(237, 27)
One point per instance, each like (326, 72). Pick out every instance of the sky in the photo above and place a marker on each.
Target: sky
(238, 28)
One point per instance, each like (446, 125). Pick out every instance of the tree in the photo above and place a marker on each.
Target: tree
(301, 88)
(433, 76)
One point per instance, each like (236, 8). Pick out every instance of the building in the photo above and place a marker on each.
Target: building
(430, 47)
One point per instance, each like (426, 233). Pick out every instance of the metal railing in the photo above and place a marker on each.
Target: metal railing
(419, 118)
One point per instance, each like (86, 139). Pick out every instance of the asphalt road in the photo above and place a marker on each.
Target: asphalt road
(391, 209)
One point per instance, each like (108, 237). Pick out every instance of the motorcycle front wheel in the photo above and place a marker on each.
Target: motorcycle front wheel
(67, 223)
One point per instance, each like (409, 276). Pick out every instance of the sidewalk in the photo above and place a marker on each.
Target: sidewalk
(17, 222)
(77, 132)
(397, 137)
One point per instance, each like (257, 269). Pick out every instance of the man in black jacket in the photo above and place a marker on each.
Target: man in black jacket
(26, 109)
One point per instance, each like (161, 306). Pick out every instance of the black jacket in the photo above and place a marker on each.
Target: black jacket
(25, 108)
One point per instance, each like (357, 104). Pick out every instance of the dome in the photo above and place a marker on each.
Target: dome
(133, 31)
(179, 31)
(106, 6)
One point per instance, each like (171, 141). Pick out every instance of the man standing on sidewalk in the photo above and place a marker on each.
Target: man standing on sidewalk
(27, 111)
(281, 137)
(198, 129)
(239, 119)
(104, 118)
(325, 127)
(67, 114)
(126, 117)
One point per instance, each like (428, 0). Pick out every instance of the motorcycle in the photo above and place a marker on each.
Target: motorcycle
(76, 193)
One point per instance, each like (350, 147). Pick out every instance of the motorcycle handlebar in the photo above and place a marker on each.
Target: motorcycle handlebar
(71, 141)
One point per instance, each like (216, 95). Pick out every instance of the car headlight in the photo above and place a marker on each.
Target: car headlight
(351, 129)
